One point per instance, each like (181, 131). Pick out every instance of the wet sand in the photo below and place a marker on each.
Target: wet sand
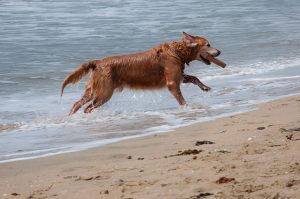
(250, 155)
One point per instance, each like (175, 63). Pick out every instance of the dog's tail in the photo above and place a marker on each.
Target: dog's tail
(76, 75)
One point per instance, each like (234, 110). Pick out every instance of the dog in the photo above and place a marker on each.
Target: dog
(158, 67)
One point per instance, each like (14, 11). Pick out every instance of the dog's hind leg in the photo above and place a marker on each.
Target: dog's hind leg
(87, 96)
(99, 100)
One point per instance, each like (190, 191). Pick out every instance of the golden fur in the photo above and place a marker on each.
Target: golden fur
(158, 67)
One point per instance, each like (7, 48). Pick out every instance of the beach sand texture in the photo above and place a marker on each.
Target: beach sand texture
(251, 155)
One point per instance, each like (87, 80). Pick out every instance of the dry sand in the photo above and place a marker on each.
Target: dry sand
(251, 155)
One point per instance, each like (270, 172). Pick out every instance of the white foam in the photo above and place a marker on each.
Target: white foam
(8, 82)
(265, 79)
(252, 68)
(38, 77)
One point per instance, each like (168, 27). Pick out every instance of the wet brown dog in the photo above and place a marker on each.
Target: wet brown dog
(161, 66)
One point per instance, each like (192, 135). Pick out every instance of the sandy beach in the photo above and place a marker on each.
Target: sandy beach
(250, 155)
(239, 140)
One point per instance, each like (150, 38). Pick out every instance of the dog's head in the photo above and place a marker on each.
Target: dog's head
(204, 52)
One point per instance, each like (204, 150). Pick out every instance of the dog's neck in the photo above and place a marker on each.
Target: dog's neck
(183, 52)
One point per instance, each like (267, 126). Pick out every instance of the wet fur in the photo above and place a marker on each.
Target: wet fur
(161, 66)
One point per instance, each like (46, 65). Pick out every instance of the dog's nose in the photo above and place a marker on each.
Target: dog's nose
(218, 53)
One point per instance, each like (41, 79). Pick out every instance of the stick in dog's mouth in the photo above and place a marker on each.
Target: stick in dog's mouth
(212, 59)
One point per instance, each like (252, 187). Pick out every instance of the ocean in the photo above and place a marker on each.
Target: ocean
(42, 41)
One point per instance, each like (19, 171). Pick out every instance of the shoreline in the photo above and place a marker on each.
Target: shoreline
(244, 160)
(102, 143)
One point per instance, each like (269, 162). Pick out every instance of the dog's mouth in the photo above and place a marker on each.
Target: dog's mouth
(206, 61)
(208, 58)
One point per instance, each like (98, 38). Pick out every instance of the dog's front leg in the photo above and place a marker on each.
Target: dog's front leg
(196, 81)
(174, 88)
(173, 75)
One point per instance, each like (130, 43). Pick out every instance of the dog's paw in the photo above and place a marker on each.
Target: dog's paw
(205, 88)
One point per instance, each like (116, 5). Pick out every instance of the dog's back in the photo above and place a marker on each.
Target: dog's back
(137, 71)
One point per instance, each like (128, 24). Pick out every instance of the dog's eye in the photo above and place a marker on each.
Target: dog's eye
(208, 45)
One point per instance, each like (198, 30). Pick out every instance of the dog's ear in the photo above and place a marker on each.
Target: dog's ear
(189, 40)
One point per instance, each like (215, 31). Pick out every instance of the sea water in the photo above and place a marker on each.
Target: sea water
(42, 41)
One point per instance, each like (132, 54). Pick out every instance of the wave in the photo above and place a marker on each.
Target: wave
(252, 68)
(7, 82)
(130, 120)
